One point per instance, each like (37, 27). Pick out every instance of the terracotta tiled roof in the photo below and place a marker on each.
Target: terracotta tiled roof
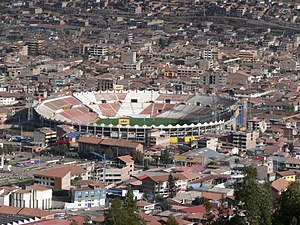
(286, 173)
(90, 140)
(37, 187)
(144, 203)
(280, 184)
(293, 161)
(212, 196)
(61, 171)
(11, 210)
(126, 159)
(89, 182)
(119, 142)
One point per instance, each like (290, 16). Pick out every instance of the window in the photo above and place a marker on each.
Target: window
(134, 100)
(168, 101)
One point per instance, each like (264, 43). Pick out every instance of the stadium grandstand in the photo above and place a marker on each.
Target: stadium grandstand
(131, 114)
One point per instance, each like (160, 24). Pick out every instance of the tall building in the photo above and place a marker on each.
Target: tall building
(35, 47)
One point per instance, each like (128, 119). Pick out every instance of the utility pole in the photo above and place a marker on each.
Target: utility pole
(30, 107)
(249, 99)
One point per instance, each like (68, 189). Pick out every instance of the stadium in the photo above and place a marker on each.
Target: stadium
(132, 114)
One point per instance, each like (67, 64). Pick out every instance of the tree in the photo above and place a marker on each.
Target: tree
(162, 202)
(126, 212)
(172, 186)
(287, 211)
(165, 156)
(254, 200)
(199, 201)
(63, 149)
(208, 215)
(172, 221)
(138, 157)
(116, 214)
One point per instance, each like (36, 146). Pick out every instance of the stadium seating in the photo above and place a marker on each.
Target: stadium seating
(86, 107)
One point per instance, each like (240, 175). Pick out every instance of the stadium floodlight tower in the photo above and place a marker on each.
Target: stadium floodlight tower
(103, 157)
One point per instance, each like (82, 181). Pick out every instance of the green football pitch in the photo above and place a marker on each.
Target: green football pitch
(146, 121)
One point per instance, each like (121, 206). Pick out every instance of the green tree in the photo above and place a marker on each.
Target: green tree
(116, 214)
(63, 149)
(126, 212)
(132, 209)
(288, 208)
(162, 202)
(254, 199)
(172, 221)
(172, 186)
(165, 156)
(208, 215)
(199, 201)
(138, 157)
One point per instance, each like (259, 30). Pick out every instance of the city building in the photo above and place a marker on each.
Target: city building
(88, 194)
(245, 140)
(45, 137)
(59, 177)
(34, 196)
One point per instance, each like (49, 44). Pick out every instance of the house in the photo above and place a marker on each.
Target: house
(7, 99)
(59, 177)
(67, 134)
(146, 207)
(205, 180)
(292, 163)
(88, 194)
(279, 186)
(153, 185)
(288, 175)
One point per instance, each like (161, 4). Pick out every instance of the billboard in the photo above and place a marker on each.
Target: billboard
(124, 121)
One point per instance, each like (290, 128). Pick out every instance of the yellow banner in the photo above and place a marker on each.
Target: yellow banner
(124, 121)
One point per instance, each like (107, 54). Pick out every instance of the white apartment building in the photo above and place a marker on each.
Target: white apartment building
(34, 196)
(98, 50)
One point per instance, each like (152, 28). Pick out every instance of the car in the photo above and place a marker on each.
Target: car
(87, 209)
(73, 210)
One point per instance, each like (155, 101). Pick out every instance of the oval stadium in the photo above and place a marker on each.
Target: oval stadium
(132, 114)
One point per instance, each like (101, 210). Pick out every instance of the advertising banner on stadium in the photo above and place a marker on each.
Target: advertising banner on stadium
(124, 121)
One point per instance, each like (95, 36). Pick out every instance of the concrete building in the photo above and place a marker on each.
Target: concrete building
(98, 50)
(245, 140)
(88, 194)
(157, 137)
(119, 171)
(248, 56)
(35, 47)
(120, 147)
(45, 137)
(257, 124)
(59, 177)
(35, 196)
